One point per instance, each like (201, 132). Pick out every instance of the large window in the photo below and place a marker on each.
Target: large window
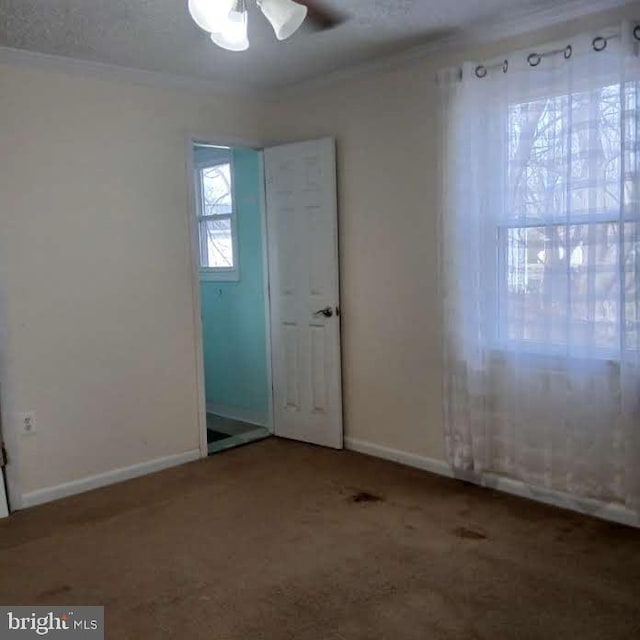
(540, 269)
(567, 239)
(217, 221)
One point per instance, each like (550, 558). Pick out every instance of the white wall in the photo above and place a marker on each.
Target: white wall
(386, 130)
(95, 269)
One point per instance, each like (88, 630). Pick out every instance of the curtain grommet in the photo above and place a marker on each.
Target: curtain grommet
(568, 52)
(636, 32)
(534, 59)
(481, 71)
(505, 66)
(599, 43)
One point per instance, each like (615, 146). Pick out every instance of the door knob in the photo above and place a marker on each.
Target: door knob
(327, 312)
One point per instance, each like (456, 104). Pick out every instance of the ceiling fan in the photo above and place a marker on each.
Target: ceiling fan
(226, 20)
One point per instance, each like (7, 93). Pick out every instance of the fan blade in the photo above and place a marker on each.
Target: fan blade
(321, 17)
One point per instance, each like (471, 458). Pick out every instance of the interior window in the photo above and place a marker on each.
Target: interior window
(216, 221)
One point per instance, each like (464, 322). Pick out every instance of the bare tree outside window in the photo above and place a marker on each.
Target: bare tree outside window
(215, 219)
(568, 240)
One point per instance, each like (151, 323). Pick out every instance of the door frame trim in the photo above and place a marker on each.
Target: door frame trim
(192, 138)
(10, 483)
(271, 426)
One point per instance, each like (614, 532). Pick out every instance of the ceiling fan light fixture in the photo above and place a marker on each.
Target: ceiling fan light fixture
(285, 16)
(210, 14)
(233, 34)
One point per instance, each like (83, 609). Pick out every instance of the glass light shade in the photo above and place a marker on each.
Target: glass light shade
(210, 14)
(231, 34)
(285, 16)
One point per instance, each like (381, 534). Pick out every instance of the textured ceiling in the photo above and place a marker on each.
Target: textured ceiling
(158, 35)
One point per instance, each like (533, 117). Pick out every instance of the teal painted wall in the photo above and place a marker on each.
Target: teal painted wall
(233, 313)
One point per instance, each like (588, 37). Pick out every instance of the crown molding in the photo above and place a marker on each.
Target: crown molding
(516, 23)
(126, 75)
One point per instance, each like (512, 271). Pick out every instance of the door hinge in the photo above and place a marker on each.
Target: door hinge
(4, 459)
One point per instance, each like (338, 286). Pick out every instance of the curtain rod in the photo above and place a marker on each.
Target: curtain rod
(599, 43)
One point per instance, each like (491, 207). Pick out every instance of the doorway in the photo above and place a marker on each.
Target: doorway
(228, 187)
(264, 230)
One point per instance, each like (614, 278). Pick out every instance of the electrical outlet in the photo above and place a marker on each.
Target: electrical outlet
(27, 423)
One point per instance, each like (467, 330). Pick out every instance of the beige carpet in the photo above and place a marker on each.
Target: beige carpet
(279, 540)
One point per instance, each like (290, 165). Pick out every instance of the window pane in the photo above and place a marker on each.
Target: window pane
(216, 243)
(565, 155)
(568, 290)
(216, 190)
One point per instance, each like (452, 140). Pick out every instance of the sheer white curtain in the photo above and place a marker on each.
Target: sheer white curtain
(541, 269)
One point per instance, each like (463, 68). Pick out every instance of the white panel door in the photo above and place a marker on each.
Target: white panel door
(302, 229)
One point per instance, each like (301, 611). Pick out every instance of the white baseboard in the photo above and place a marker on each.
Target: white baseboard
(109, 477)
(596, 508)
(409, 459)
(240, 414)
(612, 512)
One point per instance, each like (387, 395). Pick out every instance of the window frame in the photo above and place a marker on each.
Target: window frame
(217, 274)
(503, 346)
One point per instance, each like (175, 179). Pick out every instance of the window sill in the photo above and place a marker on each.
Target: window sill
(509, 351)
(219, 275)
